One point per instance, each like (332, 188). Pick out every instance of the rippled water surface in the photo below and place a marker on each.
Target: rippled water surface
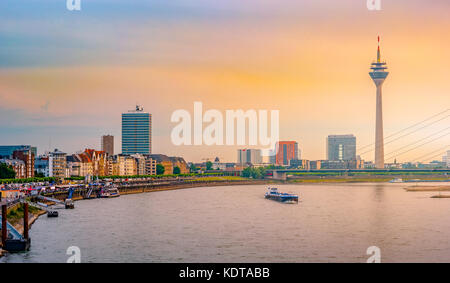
(332, 223)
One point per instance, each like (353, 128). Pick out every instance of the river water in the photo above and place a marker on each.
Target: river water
(332, 223)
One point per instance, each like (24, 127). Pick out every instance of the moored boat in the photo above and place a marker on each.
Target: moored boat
(52, 213)
(273, 194)
(109, 193)
(68, 203)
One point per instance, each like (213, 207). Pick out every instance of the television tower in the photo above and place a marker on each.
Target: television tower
(379, 75)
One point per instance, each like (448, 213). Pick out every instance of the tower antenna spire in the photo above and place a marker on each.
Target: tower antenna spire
(378, 52)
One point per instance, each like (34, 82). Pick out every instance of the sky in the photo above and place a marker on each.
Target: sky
(66, 76)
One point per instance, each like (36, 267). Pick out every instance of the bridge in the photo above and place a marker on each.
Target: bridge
(409, 146)
(281, 174)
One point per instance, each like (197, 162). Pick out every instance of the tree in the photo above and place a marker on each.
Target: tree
(39, 174)
(193, 168)
(272, 166)
(262, 171)
(255, 173)
(160, 169)
(6, 172)
(209, 165)
(176, 170)
(247, 172)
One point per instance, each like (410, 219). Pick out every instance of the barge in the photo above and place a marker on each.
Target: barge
(273, 194)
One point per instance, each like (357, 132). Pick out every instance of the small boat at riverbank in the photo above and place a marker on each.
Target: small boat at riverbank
(52, 213)
(273, 194)
(68, 204)
(110, 193)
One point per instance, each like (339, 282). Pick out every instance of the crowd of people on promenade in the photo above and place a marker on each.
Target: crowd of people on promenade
(12, 192)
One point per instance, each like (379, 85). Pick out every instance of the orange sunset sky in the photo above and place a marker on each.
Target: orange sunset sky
(66, 77)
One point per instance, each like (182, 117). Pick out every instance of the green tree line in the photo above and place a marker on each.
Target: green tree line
(6, 172)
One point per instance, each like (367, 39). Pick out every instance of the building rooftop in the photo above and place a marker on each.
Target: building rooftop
(138, 109)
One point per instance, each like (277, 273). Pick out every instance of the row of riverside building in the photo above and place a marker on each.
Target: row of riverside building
(22, 159)
(91, 162)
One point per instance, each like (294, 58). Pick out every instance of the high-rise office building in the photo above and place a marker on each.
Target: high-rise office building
(108, 144)
(379, 75)
(252, 156)
(285, 152)
(341, 147)
(137, 132)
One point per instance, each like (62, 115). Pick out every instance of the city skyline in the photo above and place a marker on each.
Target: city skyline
(289, 71)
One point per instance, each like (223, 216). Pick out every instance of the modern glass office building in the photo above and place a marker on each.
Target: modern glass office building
(136, 132)
(341, 147)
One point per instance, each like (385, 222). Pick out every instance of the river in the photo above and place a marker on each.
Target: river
(332, 223)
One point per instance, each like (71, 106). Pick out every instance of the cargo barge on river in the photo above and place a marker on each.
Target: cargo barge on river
(273, 194)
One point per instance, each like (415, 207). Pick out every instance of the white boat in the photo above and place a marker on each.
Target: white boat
(396, 180)
(109, 193)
